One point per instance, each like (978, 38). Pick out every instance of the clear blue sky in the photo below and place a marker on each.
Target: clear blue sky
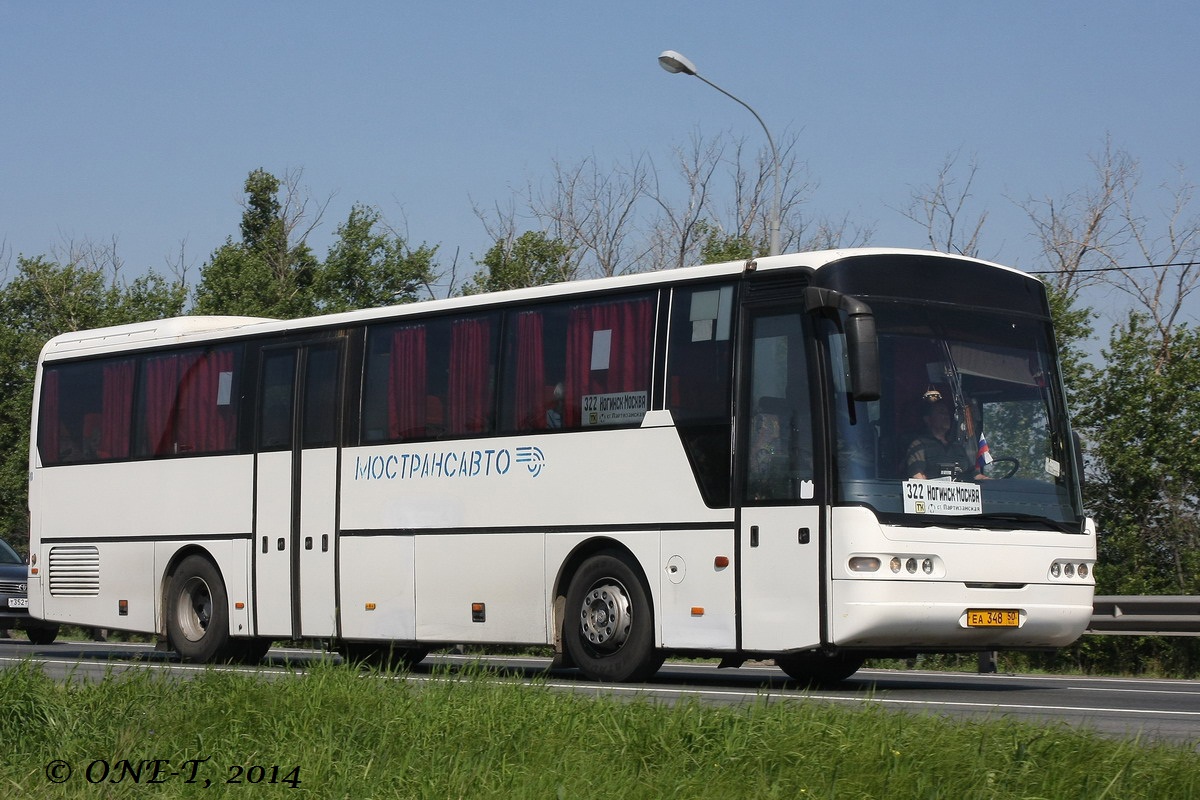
(139, 121)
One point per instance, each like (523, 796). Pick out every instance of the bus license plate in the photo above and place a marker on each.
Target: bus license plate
(993, 618)
(18, 602)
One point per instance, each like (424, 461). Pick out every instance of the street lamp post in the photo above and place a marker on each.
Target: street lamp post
(675, 62)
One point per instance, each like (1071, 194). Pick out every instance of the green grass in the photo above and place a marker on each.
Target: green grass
(359, 735)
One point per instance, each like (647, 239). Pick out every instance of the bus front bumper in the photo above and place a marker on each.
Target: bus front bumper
(933, 615)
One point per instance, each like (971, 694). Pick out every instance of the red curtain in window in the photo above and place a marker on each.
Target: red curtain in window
(161, 388)
(529, 409)
(204, 424)
(116, 403)
(470, 375)
(407, 384)
(627, 367)
(48, 420)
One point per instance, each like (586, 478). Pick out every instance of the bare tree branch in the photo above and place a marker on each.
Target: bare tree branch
(939, 208)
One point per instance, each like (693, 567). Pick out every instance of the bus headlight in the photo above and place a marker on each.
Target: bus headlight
(899, 565)
(1067, 570)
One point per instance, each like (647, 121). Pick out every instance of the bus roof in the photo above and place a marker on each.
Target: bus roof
(200, 328)
(158, 330)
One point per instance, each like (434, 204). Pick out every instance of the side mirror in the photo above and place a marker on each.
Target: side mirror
(862, 344)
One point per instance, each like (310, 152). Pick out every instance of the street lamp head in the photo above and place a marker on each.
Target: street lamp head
(676, 62)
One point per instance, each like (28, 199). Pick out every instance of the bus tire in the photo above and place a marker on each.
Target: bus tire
(42, 634)
(609, 626)
(814, 668)
(198, 612)
(249, 650)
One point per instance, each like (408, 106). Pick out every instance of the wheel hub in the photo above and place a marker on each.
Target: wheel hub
(606, 616)
(195, 611)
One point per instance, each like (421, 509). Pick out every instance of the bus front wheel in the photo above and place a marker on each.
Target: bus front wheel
(814, 668)
(609, 627)
(384, 655)
(197, 612)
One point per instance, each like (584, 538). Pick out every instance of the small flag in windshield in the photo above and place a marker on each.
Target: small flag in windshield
(983, 456)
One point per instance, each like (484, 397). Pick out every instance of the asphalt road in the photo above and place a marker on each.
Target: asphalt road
(1152, 710)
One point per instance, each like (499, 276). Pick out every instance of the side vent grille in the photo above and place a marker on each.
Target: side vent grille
(74, 571)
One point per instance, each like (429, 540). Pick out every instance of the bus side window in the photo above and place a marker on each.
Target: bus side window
(700, 381)
(86, 411)
(471, 375)
(278, 390)
(609, 355)
(532, 397)
(430, 378)
(578, 365)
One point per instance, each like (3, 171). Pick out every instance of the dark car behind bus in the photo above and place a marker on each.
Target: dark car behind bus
(14, 599)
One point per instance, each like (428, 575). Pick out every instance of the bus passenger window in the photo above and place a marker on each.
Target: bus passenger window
(608, 363)
(430, 378)
(86, 411)
(700, 381)
(532, 398)
(186, 402)
(578, 365)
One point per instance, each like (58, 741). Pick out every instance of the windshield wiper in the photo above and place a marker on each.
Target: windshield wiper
(1045, 522)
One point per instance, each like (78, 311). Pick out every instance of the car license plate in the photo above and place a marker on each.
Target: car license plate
(993, 618)
(18, 602)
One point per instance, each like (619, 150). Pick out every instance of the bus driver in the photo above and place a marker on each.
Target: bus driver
(936, 452)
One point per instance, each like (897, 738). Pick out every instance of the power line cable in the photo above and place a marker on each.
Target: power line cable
(1114, 269)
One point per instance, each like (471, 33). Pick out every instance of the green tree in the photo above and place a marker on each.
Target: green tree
(1140, 416)
(271, 271)
(717, 246)
(533, 259)
(42, 300)
(368, 267)
(1143, 423)
(1072, 330)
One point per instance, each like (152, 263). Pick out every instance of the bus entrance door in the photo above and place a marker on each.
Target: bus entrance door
(778, 553)
(296, 491)
(780, 579)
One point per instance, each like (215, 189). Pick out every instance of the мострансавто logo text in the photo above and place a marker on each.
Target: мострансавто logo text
(448, 464)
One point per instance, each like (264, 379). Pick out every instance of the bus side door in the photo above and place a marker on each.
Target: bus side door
(300, 390)
(779, 535)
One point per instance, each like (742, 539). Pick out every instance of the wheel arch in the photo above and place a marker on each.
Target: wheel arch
(168, 573)
(566, 573)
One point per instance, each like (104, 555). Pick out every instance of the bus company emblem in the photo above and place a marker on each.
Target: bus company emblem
(448, 464)
(532, 458)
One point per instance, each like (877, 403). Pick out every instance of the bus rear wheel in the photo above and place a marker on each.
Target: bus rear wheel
(814, 668)
(609, 630)
(41, 634)
(198, 612)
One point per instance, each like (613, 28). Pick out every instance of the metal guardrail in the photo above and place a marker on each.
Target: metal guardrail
(1145, 615)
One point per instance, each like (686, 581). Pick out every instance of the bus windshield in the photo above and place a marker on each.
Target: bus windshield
(970, 428)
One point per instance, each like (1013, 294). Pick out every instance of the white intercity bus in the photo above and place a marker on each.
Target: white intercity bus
(733, 460)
